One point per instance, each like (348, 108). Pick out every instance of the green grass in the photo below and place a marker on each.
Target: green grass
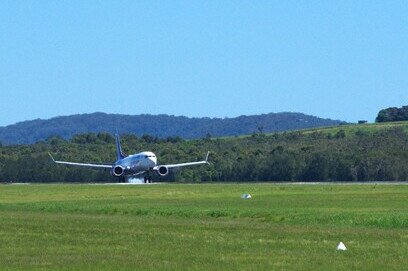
(351, 129)
(203, 227)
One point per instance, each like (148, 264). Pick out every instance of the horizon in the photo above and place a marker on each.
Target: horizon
(337, 60)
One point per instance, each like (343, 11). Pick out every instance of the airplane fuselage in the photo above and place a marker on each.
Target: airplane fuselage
(133, 164)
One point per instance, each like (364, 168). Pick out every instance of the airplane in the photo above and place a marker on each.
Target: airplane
(139, 166)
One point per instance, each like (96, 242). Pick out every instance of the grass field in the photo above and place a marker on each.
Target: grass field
(351, 129)
(203, 227)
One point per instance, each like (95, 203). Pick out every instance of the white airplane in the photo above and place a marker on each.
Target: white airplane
(139, 166)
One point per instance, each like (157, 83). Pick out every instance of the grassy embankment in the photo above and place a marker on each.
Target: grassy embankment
(203, 227)
(351, 129)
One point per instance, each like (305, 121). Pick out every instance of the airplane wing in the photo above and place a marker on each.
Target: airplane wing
(186, 164)
(80, 164)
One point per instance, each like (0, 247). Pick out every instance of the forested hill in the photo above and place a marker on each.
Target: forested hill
(374, 152)
(161, 126)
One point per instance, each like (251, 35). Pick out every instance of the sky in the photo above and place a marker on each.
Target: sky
(334, 59)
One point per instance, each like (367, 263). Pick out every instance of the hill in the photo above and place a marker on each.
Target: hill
(162, 126)
(377, 152)
(353, 129)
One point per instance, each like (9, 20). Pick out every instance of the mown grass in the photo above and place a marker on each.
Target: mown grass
(203, 227)
(352, 129)
(349, 129)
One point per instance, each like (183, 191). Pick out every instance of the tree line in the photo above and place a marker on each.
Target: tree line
(335, 155)
(393, 114)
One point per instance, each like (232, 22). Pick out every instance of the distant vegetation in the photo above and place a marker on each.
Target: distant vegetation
(393, 114)
(370, 152)
(161, 126)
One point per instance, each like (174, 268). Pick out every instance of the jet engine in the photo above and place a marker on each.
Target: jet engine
(162, 170)
(118, 171)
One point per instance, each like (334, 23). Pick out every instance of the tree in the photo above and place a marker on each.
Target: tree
(392, 114)
(340, 134)
(317, 169)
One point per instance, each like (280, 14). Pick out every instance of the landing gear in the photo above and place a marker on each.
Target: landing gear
(147, 179)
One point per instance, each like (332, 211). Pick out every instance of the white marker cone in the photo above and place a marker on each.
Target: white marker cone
(341, 246)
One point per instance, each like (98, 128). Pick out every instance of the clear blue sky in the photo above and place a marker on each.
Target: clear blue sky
(337, 59)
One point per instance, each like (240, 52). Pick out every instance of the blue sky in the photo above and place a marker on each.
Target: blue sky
(336, 59)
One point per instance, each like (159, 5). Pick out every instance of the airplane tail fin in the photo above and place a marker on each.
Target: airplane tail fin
(119, 153)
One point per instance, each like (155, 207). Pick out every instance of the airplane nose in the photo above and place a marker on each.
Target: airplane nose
(152, 161)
